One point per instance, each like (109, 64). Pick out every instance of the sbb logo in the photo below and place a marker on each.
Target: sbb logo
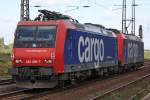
(90, 49)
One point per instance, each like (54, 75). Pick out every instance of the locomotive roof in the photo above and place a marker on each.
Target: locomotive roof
(96, 28)
(46, 16)
(114, 30)
(128, 36)
(96, 25)
(132, 37)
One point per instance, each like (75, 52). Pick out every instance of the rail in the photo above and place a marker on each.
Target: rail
(118, 88)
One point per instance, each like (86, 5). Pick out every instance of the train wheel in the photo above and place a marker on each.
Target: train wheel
(106, 72)
(61, 84)
(120, 69)
(116, 70)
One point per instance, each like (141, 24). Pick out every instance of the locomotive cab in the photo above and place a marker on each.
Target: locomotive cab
(35, 52)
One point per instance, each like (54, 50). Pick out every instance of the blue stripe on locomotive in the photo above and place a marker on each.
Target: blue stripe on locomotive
(79, 43)
(133, 51)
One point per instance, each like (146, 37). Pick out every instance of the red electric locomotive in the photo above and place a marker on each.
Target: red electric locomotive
(130, 50)
(37, 45)
(54, 49)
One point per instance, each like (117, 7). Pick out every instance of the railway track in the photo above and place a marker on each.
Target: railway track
(7, 86)
(46, 95)
(146, 61)
(28, 94)
(112, 91)
(106, 94)
(16, 95)
(6, 82)
(56, 90)
(84, 92)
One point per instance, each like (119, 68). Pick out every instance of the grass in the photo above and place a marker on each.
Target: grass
(4, 51)
(147, 54)
(5, 62)
(4, 69)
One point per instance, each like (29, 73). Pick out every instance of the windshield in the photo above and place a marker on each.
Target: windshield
(25, 33)
(45, 33)
(35, 37)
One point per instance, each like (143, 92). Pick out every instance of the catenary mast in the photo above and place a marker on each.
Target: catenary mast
(24, 16)
(133, 18)
(124, 28)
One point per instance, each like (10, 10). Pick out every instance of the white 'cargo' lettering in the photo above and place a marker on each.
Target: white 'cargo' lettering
(90, 50)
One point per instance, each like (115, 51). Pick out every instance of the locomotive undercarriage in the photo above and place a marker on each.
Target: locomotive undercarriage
(34, 77)
(104, 71)
(40, 77)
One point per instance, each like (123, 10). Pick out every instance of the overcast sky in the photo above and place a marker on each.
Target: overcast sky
(100, 12)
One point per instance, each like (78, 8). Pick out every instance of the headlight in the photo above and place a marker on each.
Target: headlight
(18, 61)
(47, 61)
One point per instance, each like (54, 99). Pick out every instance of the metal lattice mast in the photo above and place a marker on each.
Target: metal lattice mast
(133, 18)
(124, 28)
(24, 10)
